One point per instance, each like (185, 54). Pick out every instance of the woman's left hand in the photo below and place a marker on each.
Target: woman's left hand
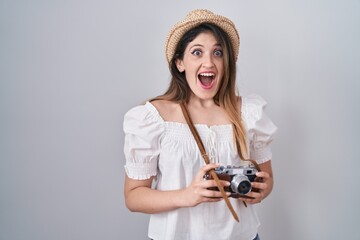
(263, 187)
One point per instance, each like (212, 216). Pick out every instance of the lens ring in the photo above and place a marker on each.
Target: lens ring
(240, 184)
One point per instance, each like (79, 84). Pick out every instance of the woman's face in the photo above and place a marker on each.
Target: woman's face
(203, 65)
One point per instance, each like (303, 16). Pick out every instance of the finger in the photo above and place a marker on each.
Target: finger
(212, 183)
(262, 174)
(209, 188)
(205, 169)
(212, 199)
(210, 166)
(254, 194)
(250, 200)
(254, 198)
(259, 185)
(214, 194)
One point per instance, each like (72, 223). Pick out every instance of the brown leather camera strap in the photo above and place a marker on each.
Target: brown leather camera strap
(206, 158)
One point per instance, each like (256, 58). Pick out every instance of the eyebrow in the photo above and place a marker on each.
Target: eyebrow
(196, 45)
(200, 45)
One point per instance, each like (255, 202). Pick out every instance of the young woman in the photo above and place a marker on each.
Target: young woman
(164, 167)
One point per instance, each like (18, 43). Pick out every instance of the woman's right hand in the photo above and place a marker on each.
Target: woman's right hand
(197, 192)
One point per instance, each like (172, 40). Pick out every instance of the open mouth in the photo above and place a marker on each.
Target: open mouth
(206, 79)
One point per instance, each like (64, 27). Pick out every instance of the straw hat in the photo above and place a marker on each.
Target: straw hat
(195, 18)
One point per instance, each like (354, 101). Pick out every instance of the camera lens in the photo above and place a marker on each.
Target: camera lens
(240, 184)
(244, 187)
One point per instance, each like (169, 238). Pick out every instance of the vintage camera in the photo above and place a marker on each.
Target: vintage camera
(240, 179)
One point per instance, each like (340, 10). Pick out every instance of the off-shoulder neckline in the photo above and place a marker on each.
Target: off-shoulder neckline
(156, 114)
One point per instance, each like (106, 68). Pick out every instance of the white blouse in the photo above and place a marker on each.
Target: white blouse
(167, 150)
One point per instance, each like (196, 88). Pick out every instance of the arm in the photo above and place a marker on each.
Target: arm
(140, 197)
(265, 187)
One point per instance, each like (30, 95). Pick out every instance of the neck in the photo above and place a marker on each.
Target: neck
(201, 103)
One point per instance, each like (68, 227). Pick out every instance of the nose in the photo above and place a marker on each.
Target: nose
(208, 61)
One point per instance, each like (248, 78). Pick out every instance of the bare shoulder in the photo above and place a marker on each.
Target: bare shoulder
(165, 106)
(168, 110)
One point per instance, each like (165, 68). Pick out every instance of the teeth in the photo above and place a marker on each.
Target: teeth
(207, 74)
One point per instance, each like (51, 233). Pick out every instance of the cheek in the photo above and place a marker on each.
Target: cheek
(191, 74)
(220, 66)
(188, 78)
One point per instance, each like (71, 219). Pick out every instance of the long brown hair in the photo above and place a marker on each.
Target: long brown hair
(226, 97)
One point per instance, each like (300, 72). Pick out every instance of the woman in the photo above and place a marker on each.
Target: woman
(164, 167)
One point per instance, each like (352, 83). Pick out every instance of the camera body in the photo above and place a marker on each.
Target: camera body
(240, 179)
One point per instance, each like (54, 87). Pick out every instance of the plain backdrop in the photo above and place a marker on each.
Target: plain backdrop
(70, 69)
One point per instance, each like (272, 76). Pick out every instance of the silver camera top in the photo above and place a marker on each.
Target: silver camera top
(232, 170)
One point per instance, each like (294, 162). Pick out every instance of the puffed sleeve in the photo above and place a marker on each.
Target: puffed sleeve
(260, 128)
(143, 129)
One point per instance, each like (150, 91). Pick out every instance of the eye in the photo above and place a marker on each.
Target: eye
(218, 53)
(196, 52)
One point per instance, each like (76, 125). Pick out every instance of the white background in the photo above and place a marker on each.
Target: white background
(69, 70)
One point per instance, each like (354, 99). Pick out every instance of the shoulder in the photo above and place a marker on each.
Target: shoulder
(253, 100)
(164, 106)
(142, 115)
(168, 110)
(252, 108)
